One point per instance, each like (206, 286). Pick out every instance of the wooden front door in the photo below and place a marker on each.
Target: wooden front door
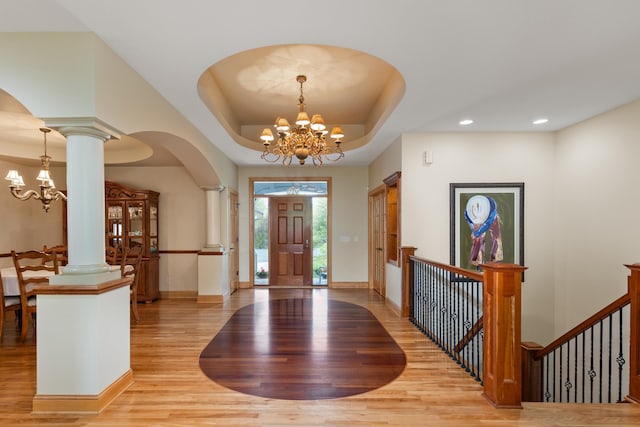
(376, 242)
(290, 241)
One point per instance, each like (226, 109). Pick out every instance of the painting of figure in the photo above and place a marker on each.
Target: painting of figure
(486, 224)
(481, 213)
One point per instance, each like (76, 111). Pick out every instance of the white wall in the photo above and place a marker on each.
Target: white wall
(25, 225)
(387, 163)
(596, 208)
(485, 158)
(349, 216)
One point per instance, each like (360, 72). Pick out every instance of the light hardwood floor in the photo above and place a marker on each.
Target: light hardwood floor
(170, 389)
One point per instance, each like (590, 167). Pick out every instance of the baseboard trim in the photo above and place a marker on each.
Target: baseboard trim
(86, 404)
(349, 285)
(245, 285)
(179, 295)
(393, 306)
(211, 298)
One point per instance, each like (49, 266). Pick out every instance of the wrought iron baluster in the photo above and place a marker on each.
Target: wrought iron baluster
(583, 366)
(554, 375)
(439, 313)
(600, 369)
(420, 271)
(569, 385)
(457, 321)
(592, 372)
(610, 358)
(446, 315)
(620, 358)
(547, 394)
(466, 323)
(560, 376)
(475, 320)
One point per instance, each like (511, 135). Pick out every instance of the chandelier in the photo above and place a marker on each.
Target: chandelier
(306, 139)
(48, 192)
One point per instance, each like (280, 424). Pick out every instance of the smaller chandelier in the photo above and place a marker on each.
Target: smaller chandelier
(306, 139)
(48, 192)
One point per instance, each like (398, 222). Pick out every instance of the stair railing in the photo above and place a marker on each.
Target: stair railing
(597, 361)
(473, 316)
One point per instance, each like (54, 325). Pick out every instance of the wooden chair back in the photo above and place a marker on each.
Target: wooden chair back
(130, 267)
(27, 265)
(112, 255)
(7, 305)
(60, 251)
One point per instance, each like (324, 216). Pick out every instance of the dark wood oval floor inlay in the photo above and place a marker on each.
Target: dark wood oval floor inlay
(302, 349)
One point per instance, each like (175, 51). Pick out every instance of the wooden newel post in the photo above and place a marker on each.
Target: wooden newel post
(502, 353)
(407, 292)
(633, 284)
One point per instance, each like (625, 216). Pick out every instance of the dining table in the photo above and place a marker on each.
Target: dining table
(10, 279)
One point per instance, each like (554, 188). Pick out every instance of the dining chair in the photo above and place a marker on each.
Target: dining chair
(112, 256)
(9, 304)
(130, 267)
(32, 268)
(61, 252)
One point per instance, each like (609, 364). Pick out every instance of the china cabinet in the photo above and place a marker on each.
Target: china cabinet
(132, 220)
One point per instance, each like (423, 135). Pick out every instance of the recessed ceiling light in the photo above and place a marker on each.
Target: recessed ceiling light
(540, 121)
(465, 122)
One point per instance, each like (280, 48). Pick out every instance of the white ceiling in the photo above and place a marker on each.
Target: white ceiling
(502, 63)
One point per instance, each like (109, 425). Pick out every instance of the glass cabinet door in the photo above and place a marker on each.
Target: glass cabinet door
(114, 224)
(153, 229)
(135, 225)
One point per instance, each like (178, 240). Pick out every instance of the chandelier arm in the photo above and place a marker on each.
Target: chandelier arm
(265, 156)
(55, 195)
(329, 155)
(18, 194)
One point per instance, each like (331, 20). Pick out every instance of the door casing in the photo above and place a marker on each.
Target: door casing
(252, 270)
(377, 239)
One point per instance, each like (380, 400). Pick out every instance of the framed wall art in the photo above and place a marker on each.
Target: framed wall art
(486, 223)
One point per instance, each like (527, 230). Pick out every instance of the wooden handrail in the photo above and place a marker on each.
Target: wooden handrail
(588, 323)
(472, 274)
(470, 335)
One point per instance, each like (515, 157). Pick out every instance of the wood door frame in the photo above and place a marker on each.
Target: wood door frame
(234, 241)
(329, 196)
(376, 192)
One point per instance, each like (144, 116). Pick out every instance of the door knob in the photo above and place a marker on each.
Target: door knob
(306, 244)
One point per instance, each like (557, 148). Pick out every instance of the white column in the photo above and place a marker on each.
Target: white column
(85, 201)
(212, 260)
(213, 218)
(85, 206)
(91, 359)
